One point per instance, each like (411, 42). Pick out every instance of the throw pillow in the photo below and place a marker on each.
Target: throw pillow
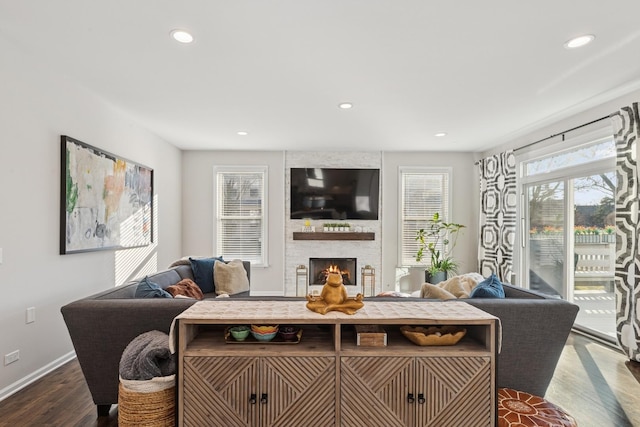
(430, 291)
(185, 288)
(230, 278)
(148, 289)
(491, 287)
(203, 272)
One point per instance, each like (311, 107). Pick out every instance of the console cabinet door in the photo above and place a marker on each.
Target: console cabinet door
(416, 392)
(301, 391)
(259, 391)
(374, 391)
(217, 391)
(457, 391)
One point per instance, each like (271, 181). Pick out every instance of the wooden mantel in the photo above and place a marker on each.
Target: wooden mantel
(340, 235)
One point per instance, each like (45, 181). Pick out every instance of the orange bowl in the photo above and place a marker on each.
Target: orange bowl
(264, 329)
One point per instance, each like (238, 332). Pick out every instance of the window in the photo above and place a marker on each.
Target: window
(423, 192)
(241, 213)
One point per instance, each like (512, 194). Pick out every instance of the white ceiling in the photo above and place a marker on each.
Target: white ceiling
(482, 71)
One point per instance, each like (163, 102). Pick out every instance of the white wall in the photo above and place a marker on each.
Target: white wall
(561, 125)
(37, 105)
(465, 208)
(197, 209)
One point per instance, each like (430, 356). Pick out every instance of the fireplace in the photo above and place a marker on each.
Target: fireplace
(320, 267)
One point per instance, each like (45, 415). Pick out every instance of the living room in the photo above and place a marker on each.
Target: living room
(42, 98)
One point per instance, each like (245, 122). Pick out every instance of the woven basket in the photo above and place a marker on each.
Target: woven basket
(155, 409)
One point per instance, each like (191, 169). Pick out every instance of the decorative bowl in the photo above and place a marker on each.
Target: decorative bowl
(434, 335)
(264, 328)
(239, 333)
(268, 336)
(288, 333)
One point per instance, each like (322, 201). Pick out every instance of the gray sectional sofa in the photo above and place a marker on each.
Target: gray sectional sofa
(535, 328)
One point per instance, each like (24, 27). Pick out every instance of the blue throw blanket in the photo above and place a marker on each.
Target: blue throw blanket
(147, 356)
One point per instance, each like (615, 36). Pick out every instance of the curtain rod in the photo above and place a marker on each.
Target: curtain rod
(560, 133)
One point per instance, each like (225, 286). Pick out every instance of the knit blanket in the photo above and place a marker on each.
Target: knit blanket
(455, 287)
(147, 356)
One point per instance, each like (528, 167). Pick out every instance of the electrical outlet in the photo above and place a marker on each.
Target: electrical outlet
(31, 314)
(14, 356)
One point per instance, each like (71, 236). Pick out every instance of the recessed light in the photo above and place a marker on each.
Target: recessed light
(243, 133)
(182, 36)
(345, 105)
(440, 134)
(579, 41)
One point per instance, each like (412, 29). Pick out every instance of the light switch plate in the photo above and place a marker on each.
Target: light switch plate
(31, 314)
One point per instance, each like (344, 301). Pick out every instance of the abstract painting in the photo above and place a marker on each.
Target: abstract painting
(106, 201)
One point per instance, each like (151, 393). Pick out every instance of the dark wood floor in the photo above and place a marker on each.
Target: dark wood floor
(594, 383)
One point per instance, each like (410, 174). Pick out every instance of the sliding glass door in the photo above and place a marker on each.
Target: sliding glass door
(569, 232)
(547, 251)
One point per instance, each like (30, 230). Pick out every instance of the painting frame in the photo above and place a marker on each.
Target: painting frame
(106, 201)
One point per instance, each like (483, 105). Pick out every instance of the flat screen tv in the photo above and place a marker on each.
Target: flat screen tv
(338, 194)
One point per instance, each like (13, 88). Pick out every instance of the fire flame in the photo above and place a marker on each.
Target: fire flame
(336, 269)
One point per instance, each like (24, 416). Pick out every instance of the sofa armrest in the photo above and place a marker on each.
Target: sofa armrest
(100, 329)
(534, 332)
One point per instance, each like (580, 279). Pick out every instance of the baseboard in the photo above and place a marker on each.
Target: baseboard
(22, 383)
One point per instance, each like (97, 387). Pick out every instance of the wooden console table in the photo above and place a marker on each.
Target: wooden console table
(325, 379)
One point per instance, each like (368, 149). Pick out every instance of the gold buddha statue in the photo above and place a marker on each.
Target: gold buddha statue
(334, 297)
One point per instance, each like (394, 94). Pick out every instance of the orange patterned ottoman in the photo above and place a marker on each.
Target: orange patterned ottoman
(520, 409)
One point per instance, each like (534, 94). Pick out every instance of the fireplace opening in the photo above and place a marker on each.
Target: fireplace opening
(319, 268)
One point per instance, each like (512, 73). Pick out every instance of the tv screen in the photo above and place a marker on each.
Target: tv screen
(322, 193)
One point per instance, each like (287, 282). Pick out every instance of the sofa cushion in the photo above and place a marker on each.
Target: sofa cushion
(491, 287)
(148, 289)
(164, 278)
(230, 278)
(203, 272)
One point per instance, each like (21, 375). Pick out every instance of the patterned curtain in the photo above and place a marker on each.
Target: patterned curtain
(626, 128)
(497, 215)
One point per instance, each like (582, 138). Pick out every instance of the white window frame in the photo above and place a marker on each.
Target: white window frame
(444, 210)
(217, 209)
(520, 261)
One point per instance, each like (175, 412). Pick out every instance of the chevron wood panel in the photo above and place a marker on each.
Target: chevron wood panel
(457, 390)
(217, 389)
(301, 391)
(374, 391)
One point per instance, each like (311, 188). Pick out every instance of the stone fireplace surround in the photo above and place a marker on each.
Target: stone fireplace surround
(298, 252)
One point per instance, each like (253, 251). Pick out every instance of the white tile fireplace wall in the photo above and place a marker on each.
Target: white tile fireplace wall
(298, 252)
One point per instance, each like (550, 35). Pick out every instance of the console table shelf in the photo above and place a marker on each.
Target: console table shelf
(326, 379)
(340, 235)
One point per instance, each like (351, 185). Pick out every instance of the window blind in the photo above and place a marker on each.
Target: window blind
(423, 194)
(240, 215)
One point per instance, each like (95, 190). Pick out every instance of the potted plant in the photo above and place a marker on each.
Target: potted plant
(437, 240)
